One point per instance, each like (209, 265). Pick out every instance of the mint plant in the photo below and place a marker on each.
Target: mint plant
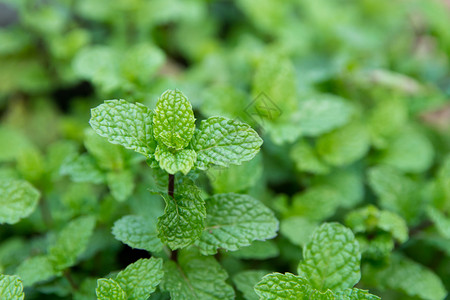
(169, 139)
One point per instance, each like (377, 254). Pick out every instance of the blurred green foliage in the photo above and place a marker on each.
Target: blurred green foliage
(350, 97)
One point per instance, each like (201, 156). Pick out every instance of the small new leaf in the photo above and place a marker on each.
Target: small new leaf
(172, 162)
(35, 269)
(223, 142)
(18, 199)
(11, 287)
(109, 289)
(126, 124)
(182, 222)
(141, 278)
(331, 259)
(137, 232)
(174, 121)
(355, 294)
(71, 242)
(234, 221)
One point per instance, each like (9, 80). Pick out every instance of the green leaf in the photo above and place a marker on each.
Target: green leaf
(196, 277)
(172, 162)
(396, 192)
(35, 269)
(275, 77)
(16, 142)
(348, 183)
(18, 200)
(345, 145)
(370, 219)
(403, 151)
(71, 242)
(331, 260)
(246, 280)
(236, 178)
(277, 286)
(223, 142)
(441, 222)
(316, 203)
(173, 121)
(126, 124)
(11, 287)
(290, 228)
(355, 294)
(108, 156)
(137, 232)
(257, 250)
(121, 184)
(109, 289)
(234, 221)
(306, 159)
(321, 113)
(83, 169)
(141, 62)
(407, 276)
(141, 278)
(182, 222)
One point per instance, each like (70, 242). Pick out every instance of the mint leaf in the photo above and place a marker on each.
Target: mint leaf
(355, 294)
(126, 124)
(196, 277)
(316, 203)
(234, 221)
(306, 159)
(257, 250)
(403, 151)
(107, 155)
(83, 169)
(11, 287)
(141, 278)
(396, 192)
(35, 269)
(441, 222)
(321, 113)
(246, 280)
(71, 242)
(109, 289)
(18, 200)
(121, 184)
(331, 260)
(277, 286)
(236, 178)
(182, 222)
(344, 145)
(173, 121)
(137, 232)
(289, 228)
(222, 142)
(407, 276)
(172, 162)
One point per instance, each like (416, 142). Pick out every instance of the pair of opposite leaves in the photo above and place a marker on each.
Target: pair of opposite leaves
(168, 135)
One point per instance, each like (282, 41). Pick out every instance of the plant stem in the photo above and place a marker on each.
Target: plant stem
(69, 278)
(171, 187)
